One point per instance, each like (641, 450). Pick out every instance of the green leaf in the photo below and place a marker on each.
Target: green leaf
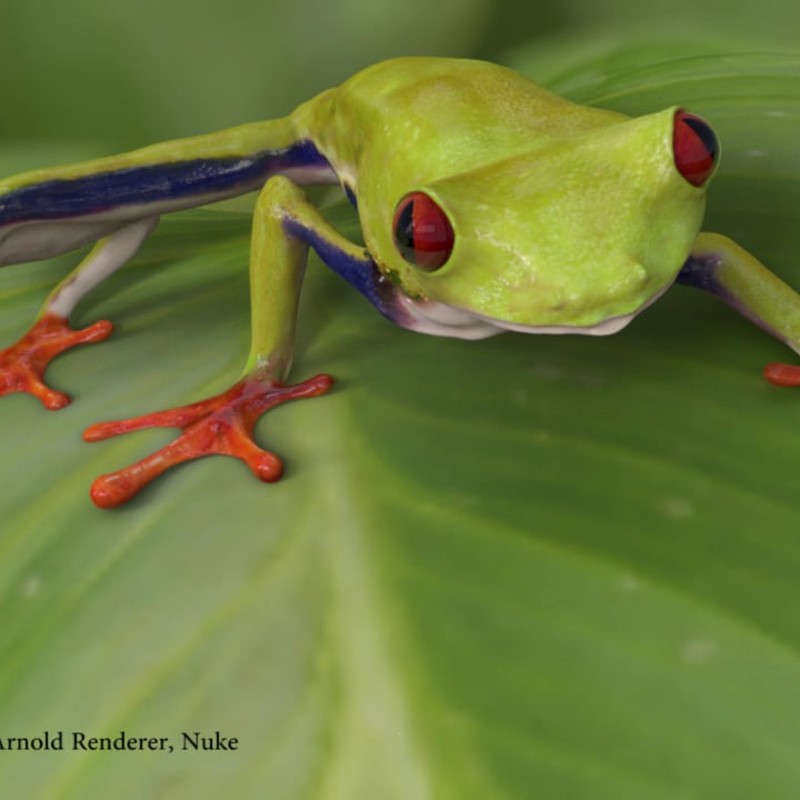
(528, 566)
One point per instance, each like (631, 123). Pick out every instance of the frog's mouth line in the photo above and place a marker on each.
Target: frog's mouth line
(440, 319)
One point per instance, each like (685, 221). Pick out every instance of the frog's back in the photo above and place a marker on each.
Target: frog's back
(445, 92)
(448, 113)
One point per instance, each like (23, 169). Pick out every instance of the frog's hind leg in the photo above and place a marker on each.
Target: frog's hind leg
(23, 364)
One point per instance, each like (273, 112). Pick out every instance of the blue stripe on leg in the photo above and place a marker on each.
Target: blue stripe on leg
(91, 194)
(361, 273)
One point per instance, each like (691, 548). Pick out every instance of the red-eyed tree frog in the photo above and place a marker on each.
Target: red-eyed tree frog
(487, 204)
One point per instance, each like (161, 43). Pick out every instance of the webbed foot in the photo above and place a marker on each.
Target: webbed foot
(23, 364)
(219, 425)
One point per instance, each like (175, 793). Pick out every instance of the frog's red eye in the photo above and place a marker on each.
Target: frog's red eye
(694, 146)
(422, 232)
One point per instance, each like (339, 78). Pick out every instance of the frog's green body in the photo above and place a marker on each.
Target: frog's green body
(536, 243)
(486, 203)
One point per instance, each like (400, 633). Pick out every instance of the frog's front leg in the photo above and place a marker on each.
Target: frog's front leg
(718, 265)
(284, 225)
(23, 364)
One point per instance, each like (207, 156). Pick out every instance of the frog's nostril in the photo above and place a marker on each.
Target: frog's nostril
(694, 146)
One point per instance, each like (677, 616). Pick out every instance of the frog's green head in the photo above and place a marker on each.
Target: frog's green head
(578, 234)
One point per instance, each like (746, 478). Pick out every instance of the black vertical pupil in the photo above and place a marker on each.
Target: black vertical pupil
(405, 225)
(404, 231)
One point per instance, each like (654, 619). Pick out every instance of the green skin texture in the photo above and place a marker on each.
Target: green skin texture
(563, 215)
(567, 219)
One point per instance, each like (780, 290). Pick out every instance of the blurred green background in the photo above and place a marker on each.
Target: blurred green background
(131, 71)
(525, 567)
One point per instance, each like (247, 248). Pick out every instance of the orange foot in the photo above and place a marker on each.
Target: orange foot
(782, 374)
(22, 366)
(222, 424)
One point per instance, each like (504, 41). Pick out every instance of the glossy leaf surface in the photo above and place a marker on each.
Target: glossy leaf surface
(550, 566)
